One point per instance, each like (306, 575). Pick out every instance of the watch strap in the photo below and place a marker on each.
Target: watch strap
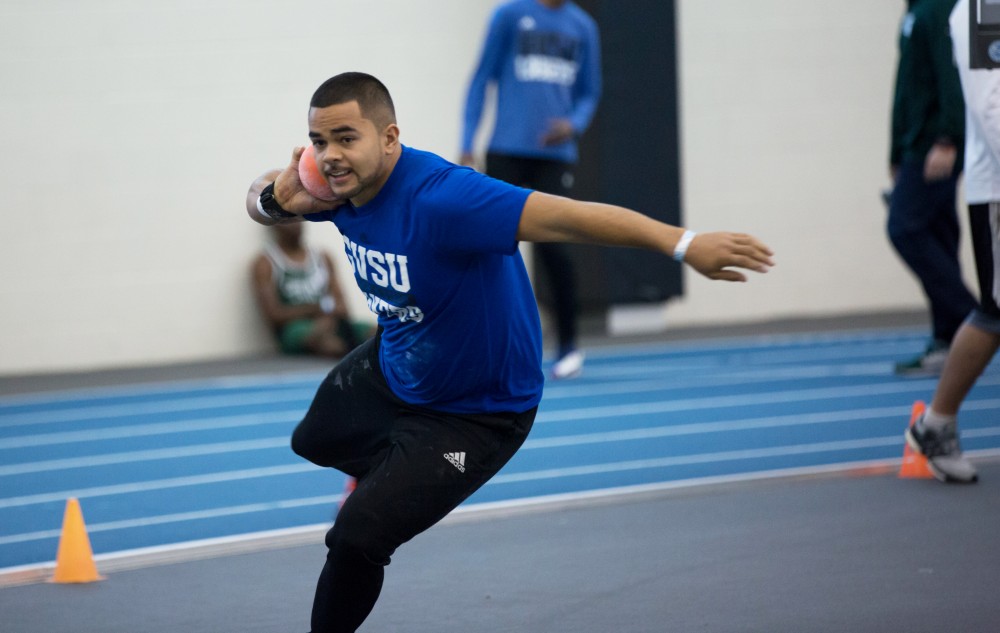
(268, 206)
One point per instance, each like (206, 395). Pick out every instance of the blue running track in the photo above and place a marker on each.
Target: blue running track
(164, 464)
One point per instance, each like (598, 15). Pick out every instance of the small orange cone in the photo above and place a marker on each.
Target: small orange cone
(75, 559)
(914, 464)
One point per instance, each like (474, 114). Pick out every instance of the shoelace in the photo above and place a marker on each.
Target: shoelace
(943, 442)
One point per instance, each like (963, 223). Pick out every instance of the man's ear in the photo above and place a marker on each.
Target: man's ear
(390, 137)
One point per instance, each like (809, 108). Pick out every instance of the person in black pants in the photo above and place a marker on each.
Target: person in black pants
(553, 177)
(543, 57)
(928, 134)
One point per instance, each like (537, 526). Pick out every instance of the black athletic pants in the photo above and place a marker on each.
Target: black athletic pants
(923, 227)
(547, 176)
(413, 467)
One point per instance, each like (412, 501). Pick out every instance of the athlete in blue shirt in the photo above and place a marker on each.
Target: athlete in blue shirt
(439, 400)
(544, 59)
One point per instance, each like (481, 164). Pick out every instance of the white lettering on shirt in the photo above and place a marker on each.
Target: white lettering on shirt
(378, 305)
(387, 269)
(384, 270)
(544, 68)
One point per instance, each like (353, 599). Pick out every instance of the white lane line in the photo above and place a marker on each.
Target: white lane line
(880, 353)
(160, 428)
(166, 388)
(914, 336)
(178, 517)
(722, 402)
(698, 428)
(580, 389)
(152, 407)
(159, 484)
(700, 458)
(106, 459)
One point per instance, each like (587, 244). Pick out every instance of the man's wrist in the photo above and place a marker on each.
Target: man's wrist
(267, 205)
(682, 245)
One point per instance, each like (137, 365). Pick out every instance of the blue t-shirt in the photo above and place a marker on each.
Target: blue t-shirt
(435, 253)
(546, 64)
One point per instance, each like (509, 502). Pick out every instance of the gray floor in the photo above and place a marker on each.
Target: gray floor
(838, 553)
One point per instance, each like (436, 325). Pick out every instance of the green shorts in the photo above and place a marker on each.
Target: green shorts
(292, 337)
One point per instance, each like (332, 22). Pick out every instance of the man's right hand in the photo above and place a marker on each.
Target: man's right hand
(292, 195)
(940, 162)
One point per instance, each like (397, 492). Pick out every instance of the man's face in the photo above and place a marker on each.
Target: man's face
(353, 154)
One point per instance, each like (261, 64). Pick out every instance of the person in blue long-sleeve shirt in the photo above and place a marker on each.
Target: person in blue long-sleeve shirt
(544, 59)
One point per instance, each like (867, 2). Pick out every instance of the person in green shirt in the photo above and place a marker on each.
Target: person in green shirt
(928, 131)
(299, 296)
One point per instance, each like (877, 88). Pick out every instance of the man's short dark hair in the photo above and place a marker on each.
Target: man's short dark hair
(370, 93)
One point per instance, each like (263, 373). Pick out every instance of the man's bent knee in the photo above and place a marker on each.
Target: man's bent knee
(309, 445)
(354, 532)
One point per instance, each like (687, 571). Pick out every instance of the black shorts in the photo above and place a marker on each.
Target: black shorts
(984, 225)
(414, 465)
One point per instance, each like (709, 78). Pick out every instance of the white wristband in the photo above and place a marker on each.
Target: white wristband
(682, 245)
(260, 210)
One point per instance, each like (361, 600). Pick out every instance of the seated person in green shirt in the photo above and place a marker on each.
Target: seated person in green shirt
(298, 294)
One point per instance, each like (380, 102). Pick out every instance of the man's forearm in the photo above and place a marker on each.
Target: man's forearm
(549, 218)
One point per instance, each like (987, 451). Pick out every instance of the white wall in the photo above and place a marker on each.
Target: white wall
(785, 109)
(131, 130)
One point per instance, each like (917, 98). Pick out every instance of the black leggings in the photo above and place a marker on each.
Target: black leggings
(923, 227)
(413, 467)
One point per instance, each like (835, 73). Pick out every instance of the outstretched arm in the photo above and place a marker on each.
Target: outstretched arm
(548, 218)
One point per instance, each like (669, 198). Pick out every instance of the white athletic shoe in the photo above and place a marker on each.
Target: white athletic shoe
(929, 363)
(943, 452)
(569, 366)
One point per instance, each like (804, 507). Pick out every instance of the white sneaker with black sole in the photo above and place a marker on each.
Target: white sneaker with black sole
(943, 452)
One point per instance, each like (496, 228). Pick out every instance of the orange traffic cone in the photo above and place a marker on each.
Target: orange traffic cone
(75, 559)
(914, 464)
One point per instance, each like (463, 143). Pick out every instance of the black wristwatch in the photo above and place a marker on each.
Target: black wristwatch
(268, 205)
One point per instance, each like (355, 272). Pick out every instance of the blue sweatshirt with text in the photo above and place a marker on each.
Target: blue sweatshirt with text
(545, 64)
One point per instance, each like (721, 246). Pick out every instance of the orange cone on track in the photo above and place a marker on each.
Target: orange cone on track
(914, 464)
(75, 559)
